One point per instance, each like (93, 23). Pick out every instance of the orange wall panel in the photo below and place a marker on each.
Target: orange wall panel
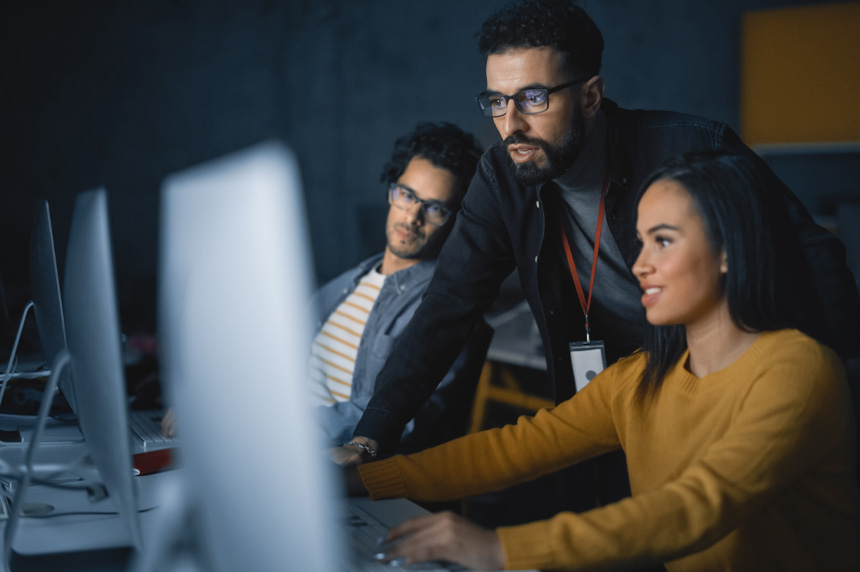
(800, 75)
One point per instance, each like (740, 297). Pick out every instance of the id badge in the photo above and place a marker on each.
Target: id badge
(588, 359)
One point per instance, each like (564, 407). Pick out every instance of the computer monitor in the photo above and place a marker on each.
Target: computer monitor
(234, 339)
(45, 287)
(92, 326)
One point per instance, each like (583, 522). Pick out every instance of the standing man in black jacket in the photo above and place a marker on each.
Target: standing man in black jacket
(569, 164)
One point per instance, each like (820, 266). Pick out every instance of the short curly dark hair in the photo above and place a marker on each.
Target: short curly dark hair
(557, 24)
(443, 144)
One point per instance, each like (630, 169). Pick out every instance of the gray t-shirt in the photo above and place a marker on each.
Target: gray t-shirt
(615, 303)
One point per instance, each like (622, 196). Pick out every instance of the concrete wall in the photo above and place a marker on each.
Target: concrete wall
(120, 94)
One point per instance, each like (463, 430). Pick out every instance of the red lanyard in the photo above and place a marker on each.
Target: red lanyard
(572, 265)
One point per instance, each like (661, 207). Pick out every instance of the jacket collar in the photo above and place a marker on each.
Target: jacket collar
(415, 275)
(618, 154)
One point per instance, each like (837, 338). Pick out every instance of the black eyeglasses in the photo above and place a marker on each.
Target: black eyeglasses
(529, 101)
(435, 212)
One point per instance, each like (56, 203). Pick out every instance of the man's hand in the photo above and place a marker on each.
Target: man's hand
(446, 536)
(353, 454)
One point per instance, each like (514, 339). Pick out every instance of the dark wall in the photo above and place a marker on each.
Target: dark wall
(120, 94)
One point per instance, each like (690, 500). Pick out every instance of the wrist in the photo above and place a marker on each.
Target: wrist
(354, 485)
(372, 443)
(368, 446)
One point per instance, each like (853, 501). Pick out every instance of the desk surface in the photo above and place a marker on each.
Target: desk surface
(390, 512)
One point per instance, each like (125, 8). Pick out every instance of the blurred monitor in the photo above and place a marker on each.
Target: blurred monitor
(234, 340)
(47, 303)
(92, 325)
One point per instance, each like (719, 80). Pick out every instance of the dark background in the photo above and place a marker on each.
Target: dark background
(120, 94)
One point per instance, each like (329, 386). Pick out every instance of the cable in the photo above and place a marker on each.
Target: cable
(61, 361)
(46, 482)
(70, 418)
(7, 375)
(86, 513)
(13, 472)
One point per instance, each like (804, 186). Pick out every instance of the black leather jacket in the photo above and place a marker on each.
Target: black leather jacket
(503, 225)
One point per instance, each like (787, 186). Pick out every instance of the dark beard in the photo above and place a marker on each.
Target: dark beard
(429, 249)
(558, 159)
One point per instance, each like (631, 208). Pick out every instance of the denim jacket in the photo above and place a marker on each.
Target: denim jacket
(503, 226)
(398, 299)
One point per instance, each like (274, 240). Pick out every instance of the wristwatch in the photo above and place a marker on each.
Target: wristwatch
(367, 448)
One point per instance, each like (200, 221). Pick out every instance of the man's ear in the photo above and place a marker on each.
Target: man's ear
(592, 96)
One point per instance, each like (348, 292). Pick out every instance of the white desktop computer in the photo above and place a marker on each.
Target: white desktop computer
(47, 306)
(256, 490)
(47, 300)
(89, 499)
(233, 339)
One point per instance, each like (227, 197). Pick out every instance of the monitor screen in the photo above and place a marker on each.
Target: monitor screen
(92, 326)
(234, 339)
(45, 286)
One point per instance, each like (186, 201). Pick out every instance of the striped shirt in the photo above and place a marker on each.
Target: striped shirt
(335, 348)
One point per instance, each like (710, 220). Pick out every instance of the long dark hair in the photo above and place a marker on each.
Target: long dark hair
(745, 218)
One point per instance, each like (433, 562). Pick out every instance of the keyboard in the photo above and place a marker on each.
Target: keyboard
(145, 425)
(364, 532)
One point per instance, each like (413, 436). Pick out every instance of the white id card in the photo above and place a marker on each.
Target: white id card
(588, 359)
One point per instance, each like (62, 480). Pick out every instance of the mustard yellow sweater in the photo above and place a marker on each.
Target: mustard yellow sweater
(749, 468)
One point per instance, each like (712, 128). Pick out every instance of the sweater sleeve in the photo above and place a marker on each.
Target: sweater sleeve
(791, 413)
(578, 429)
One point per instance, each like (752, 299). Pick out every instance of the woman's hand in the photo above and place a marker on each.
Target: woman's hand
(445, 536)
(168, 423)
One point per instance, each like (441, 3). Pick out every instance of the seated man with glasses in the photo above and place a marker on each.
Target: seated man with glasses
(363, 311)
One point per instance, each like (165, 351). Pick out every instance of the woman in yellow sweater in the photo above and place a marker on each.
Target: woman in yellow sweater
(737, 427)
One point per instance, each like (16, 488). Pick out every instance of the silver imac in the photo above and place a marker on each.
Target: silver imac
(45, 287)
(234, 338)
(73, 514)
(92, 325)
